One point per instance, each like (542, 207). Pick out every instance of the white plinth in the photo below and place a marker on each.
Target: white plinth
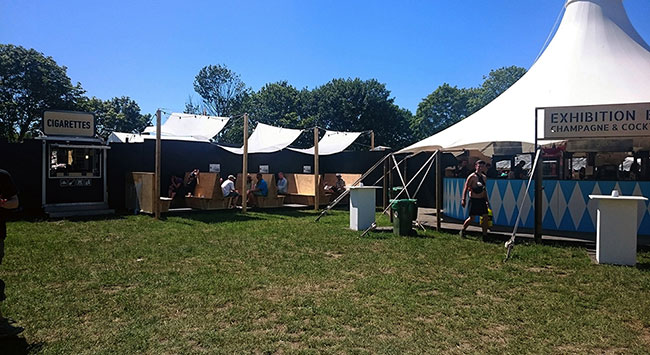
(362, 207)
(616, 229)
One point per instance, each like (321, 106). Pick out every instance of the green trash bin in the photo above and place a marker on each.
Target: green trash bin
(405, 211)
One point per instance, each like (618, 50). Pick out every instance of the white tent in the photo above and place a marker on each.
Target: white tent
(268, 139)
(332, 142)
(596, 57)
(122, 137)
(188, 125)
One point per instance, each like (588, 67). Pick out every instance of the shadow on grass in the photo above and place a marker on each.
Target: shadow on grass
(18, 345)
(643, 266)
(235, 215)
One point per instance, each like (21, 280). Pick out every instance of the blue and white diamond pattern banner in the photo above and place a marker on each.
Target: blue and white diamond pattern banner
(566, 204)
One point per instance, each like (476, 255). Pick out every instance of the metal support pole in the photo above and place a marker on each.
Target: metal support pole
(538, 189)
(438, 190)
(372, 140)
(390, 185)
(316, 174)
(244, 170)
(385, 186)
(156, 189)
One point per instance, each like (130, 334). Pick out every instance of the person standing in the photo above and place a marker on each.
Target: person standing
(8, 201)
(476, 184)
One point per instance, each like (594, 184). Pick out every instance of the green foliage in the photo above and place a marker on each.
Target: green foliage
(357, 105)
(494, 84)
(31, 83)
(119, 114)
(221, 90)
(442, 108)
(341, 104)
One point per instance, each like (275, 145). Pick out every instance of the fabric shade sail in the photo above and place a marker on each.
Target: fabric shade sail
(268, 139)
(332, 142)
(201, 127)
(596, 57)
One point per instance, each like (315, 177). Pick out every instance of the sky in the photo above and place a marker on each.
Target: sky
(151, 51)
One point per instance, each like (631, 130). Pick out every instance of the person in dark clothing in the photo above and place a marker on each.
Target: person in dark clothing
(192, 181)
(476, 185)
(8, 201)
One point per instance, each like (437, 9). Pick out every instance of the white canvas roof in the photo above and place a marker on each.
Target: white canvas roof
(268, 139)
(596, 57)
(332, 142)
(188, 125)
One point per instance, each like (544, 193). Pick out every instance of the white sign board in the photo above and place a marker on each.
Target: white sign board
(68, 123)
(306, 169)
(264, 169)
(215, 168)
(606, 121)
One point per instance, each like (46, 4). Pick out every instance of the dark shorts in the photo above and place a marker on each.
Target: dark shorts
(232, 194)
(478, 206)
(258, 193)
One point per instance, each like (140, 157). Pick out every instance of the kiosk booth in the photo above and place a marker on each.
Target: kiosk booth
(74, 166)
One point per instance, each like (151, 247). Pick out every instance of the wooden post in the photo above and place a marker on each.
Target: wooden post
(156, 189)
(538, 199)
(316, 179)
(372, 140)
(244, 171)
(438, 190)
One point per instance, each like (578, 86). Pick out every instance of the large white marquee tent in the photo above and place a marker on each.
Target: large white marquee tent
(596, 57)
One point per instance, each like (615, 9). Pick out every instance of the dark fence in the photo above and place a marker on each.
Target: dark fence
(24, 162)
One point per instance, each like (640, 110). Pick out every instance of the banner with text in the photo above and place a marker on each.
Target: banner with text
(68, 123)
(625, 120)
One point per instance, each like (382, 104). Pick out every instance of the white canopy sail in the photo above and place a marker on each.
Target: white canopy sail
(332, 142)
(596, 57)
(268, 139)
(188, 125)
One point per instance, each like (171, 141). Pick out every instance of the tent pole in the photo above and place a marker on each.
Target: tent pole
(438, 189)
(156, 189)
(538, 190)
(244, 166)
(372, 140)
(316, 182)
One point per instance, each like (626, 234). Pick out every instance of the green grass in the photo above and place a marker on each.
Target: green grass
(278, 282)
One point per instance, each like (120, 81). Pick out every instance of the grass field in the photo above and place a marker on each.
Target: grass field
(280, 283)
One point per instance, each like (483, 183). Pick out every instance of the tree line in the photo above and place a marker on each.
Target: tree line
(31, 82)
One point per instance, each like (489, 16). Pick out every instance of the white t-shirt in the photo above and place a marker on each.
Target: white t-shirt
(228, 186)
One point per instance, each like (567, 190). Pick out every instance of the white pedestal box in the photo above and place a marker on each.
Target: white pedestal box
(616, 229)
(362, 207)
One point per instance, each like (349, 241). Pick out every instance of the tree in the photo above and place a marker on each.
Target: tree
(31, 83)
(442, 108)
(119, 114)
(277, 104)
(357, 105)
(495, 84)
(222, 90)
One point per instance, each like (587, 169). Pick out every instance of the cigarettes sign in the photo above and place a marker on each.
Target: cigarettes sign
(68, 123)
(627, 120)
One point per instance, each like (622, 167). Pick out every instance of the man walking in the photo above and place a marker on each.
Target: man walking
(478, 199)
(8, 201)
